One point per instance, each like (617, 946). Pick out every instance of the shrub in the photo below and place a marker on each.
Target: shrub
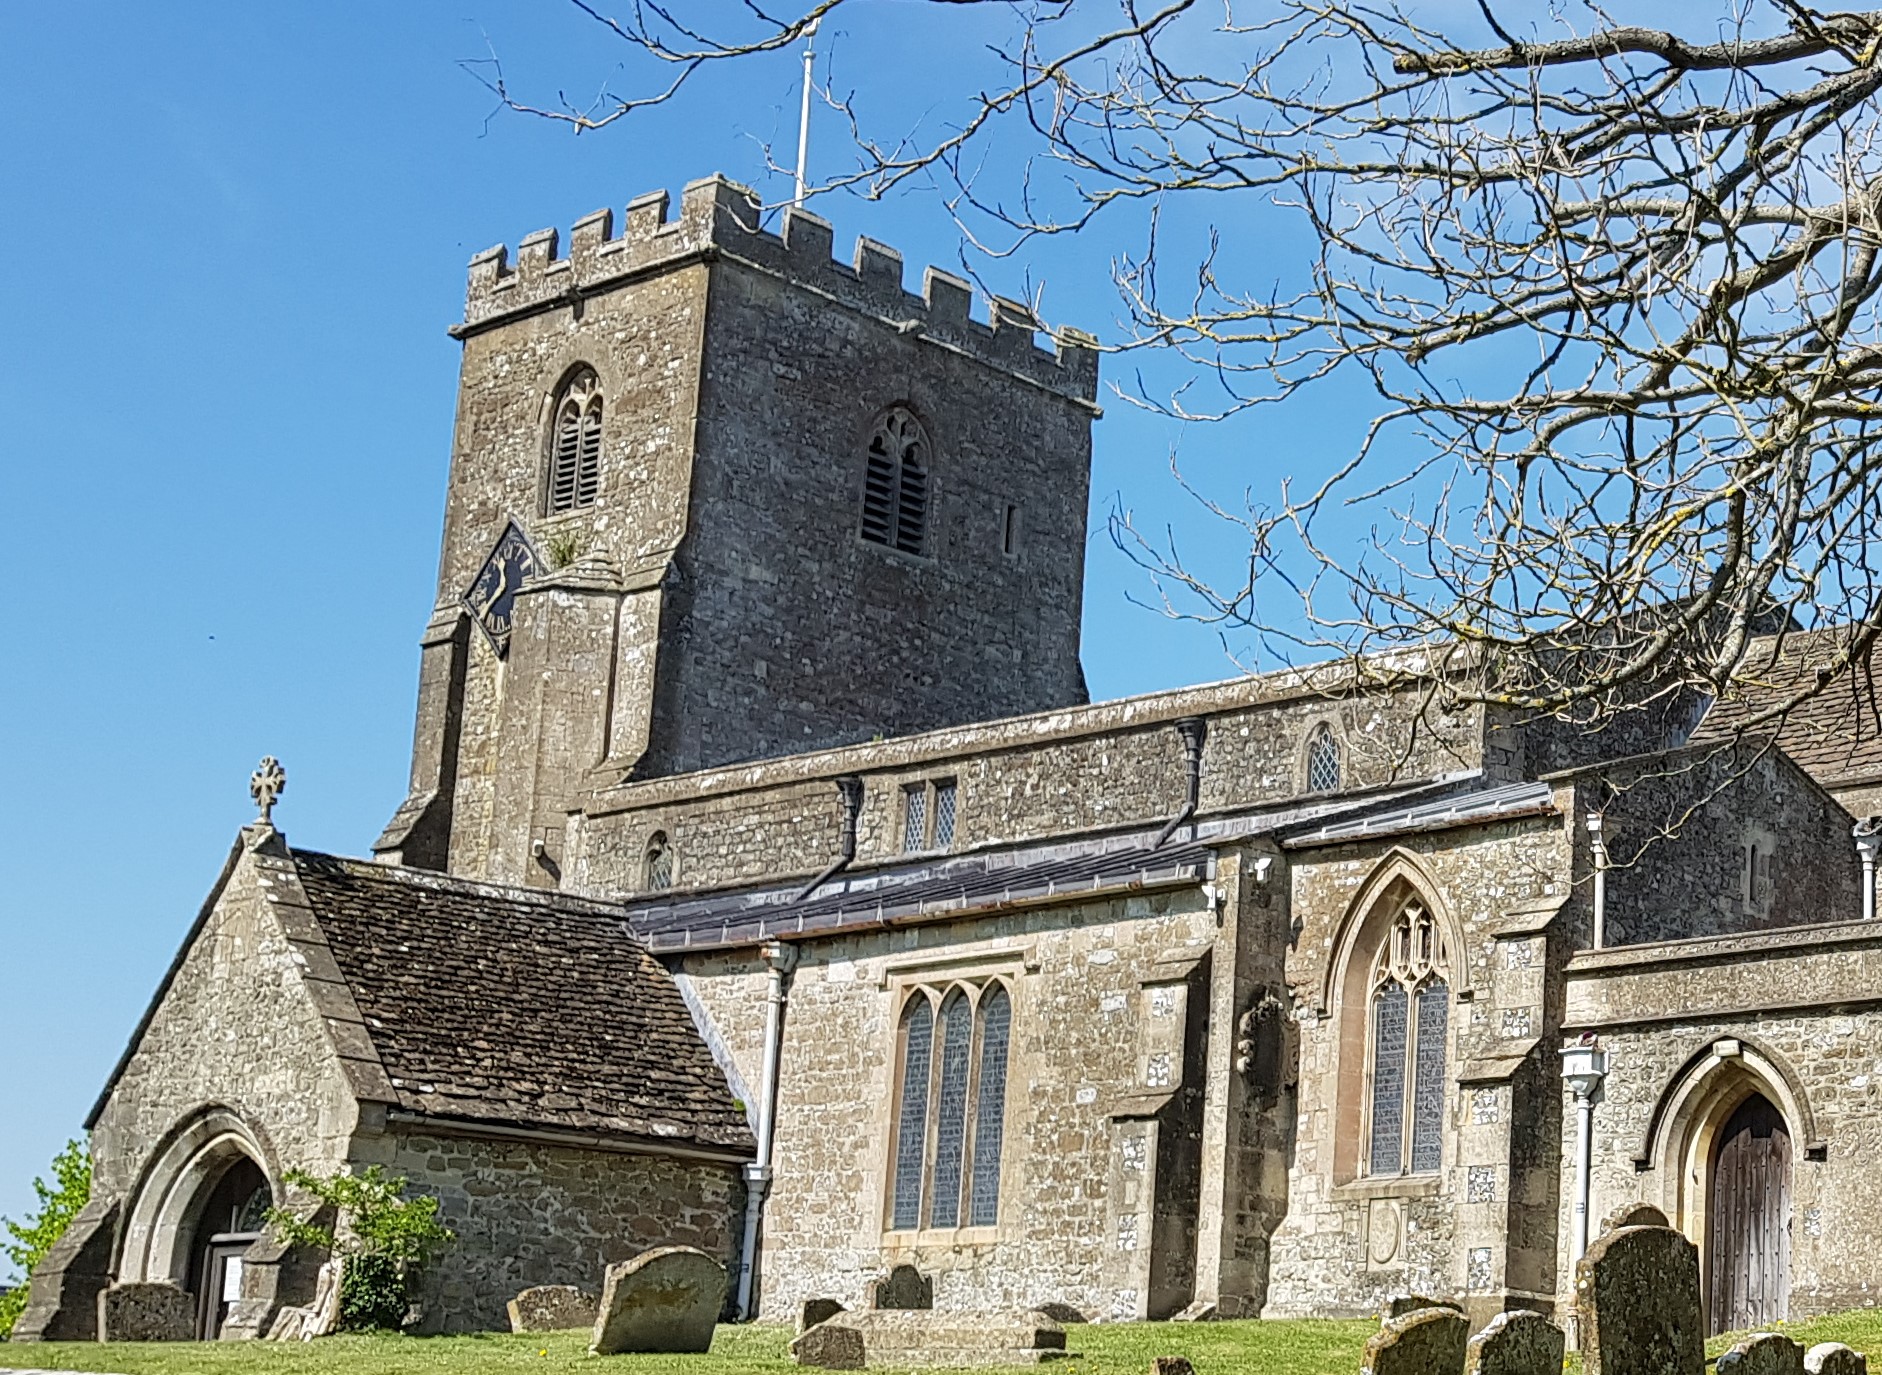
(384, 1237)
(27, 1242)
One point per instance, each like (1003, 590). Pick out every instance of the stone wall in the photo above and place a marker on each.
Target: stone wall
(528, 1213)
(1098, 1048)
(1114, 765)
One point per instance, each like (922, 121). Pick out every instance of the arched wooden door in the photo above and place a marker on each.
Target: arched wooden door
(1750, 1219)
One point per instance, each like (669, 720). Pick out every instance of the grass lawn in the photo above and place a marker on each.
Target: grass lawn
(1269, 1348)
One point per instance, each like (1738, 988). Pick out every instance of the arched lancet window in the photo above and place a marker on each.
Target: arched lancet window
(895, 483)
(1408, 1016)
(1323, 760)
(575, 445)
(951, 1111)
(659, 866)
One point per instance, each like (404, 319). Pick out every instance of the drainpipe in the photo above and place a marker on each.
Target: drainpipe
(1193, 729)
(1584, 1065)
(1600, 848)
(1868, 833)
(851, 789)
(782, 959)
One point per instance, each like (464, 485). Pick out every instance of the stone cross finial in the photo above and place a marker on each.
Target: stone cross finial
(266, 784)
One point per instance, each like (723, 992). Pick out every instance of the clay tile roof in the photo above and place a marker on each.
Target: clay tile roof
(1836, 736)
(501, 1005)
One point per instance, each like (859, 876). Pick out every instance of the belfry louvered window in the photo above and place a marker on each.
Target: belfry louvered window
(575, 445)
(950, 1123)
(1409, 1014)
(895, 483)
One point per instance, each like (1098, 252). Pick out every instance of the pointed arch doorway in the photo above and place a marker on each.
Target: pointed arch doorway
(1749, 1219)
(230, 1218)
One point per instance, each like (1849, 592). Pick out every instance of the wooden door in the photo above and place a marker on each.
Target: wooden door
(1750, 1219)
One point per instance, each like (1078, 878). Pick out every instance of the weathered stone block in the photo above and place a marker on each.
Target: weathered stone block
(829, 1346)
(905, 1287)
(552, 1308)
(815, 1311)
(1430, 1341)
(664, 1300)
(146, 1313)
(1833, 1358)
(1202, 1310)
(1637, 1298)
(1516, 1344)
(1398, 1305)
(62, 1297)
(1763, 1353)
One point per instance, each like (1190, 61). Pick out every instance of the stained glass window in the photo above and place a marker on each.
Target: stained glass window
(911, 1136)
(996, 1019)
(1323, 761)
(1388, 1078)
(1427, 1146)
(950, 1145)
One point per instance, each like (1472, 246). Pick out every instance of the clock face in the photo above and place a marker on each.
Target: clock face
(492, 597)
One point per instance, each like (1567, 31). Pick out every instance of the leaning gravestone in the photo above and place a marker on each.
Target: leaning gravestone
(1763, 1353)
(146, 1313)
(829, 1346)
(1428, 1342)
(1833, 1358)
(1516, 1344)
(815, 1311)
(1637, 1302)
(1634, 1215)
(1398, 1305)
(906, 1287)
(913, 1337)
(663, 1300)
(552, 1308)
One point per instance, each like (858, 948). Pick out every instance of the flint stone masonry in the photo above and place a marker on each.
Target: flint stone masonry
(1833, 1358)
(1431, 1341)
(552, 1308)
(830, 1346)
(1638, 1306)
(150, 1312)
(1763, 1353)
(666, 1300)
(925, 1337)
(1516, 1344)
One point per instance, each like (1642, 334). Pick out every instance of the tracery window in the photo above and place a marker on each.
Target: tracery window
(1408, 1020)
(1323, 760)
(659, 863)
(895, 483)
(951, 1109)
(575, 445)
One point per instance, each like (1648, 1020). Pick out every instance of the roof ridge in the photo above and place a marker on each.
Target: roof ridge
(553, 899)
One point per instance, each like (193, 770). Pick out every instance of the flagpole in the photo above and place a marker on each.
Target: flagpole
(803, 117)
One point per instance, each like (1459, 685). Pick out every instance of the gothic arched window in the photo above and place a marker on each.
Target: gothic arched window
(951, 1110)
(659, 865)
(1408, 1016)
(575, 445)
(895, 483)
(1323, 760)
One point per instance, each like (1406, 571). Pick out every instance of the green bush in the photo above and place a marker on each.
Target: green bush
(384, 1238)
(27, 1242)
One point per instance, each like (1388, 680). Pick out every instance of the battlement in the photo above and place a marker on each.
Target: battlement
(721, 218)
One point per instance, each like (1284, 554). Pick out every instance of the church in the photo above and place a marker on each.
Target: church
(767, 883)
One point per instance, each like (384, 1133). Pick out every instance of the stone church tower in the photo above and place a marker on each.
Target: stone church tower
(715, 497)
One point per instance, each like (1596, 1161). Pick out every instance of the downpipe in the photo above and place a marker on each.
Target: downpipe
(782, 959)
(1193, 729)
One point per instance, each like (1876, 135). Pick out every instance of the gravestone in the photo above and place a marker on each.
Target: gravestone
(909, 1337)
(1202, 1310)
(662, 1300)
(1634, 1215)
(815, 1311)
(1833, 1358)
(1516, 1344)
(829, 1346)
(1171, 1365)
(1637, 1303)
(1763, 1353)
(905, 1287)
(1430, 1341)
(1059, 1312)
(1398, 1305)
(159, 1312)
(552, 1308)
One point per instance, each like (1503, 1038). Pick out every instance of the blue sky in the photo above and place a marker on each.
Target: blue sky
(235, 234)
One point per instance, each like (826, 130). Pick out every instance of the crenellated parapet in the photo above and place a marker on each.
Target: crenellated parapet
(719, 218)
